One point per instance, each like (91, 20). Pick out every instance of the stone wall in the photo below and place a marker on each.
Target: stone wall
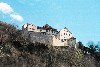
(58, 42)
(72, 42)
(48, 39)
(38, 37)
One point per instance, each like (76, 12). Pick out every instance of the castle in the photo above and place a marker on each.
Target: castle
(48, 35)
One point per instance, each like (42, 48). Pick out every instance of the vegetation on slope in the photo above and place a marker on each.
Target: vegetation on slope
(15, 51)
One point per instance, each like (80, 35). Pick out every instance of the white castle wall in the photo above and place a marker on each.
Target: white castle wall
(58, 42)
(65, 34)
(29, 27)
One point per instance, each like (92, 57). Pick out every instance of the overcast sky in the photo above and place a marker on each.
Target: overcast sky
(81, 17)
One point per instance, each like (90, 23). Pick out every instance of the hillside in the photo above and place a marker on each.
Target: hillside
(15, 51)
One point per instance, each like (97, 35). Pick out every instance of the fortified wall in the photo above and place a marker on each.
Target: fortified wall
(44, 38)
(48, 35)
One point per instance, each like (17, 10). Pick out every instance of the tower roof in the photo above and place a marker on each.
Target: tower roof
(67, 29)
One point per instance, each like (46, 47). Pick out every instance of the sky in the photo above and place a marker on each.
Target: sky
(81, 17)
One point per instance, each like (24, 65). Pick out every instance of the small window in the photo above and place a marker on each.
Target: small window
(45, 33)
(33, 29)
(30, 28)
(69, 34)
(64, 33)
(40, 30)
(52, 31)
(62, 40)
(46, 30)
(64, 37)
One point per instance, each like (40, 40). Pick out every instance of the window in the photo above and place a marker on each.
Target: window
(64, 33)
(52, 31)
(48, 41)
(69, 34)
(62, 40)
(44, 33)
(46, 30)
(64, 37)
(33, 29)
(40, 30)
(30, 28)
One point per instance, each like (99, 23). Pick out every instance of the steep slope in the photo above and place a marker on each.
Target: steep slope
(18, 52)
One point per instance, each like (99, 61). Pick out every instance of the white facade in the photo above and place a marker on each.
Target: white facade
(65, 34)
(58, 42)
(30, 27)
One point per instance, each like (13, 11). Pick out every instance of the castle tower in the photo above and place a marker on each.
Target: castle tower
(65, 34)
(29, 27)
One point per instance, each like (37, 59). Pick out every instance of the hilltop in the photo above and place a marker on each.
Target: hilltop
(15, 51)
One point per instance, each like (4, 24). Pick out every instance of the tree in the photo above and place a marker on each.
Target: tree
(92, 47)
(80, 45)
